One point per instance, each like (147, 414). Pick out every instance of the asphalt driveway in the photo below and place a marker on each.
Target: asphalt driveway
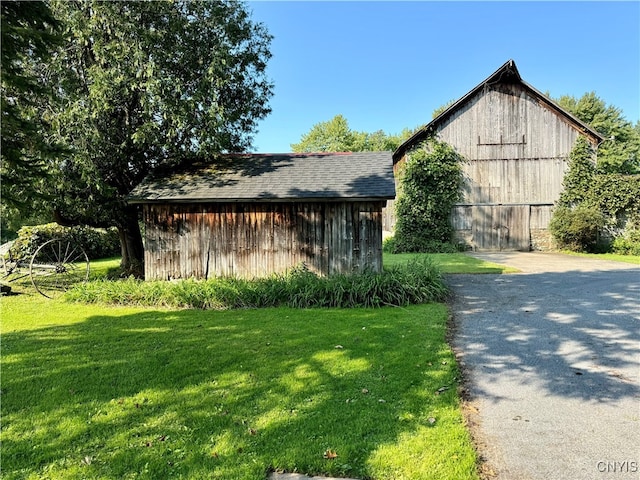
(552, 362)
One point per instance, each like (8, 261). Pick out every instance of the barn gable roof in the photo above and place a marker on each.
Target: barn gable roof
(256, 177)
(507, 73)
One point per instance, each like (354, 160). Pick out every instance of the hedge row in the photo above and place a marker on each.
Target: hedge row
(97, 243)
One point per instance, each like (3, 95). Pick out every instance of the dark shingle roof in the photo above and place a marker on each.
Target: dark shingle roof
(274, 177)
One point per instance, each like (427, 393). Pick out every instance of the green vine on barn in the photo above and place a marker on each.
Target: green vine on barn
(430, 184)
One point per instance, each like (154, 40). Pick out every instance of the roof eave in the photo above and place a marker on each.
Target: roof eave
(143, 201)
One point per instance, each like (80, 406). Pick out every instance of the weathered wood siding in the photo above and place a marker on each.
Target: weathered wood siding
(517, 151)
(517, 147)
(513, 181)
(505, 121)
(493, 227)
(257, 239)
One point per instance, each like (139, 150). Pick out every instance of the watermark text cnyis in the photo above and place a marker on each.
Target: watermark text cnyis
(615, 466)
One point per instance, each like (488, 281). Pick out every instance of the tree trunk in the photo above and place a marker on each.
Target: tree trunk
(131, 244)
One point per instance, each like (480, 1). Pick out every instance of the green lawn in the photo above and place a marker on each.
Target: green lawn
(104, 267)
(635, 259)
(102, 392)
(450, 262)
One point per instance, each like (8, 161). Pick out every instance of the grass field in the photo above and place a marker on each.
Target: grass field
(635, 259)
(96, 392)
(450, 263)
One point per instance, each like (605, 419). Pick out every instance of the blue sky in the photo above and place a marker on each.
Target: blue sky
(389, 65)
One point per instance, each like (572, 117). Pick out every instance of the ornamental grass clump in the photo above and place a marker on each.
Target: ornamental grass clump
(417, 281)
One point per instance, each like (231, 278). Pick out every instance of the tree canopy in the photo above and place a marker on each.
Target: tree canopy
(29, 33)
(335, 135)
(442, 108)
(143, 84)
(620, 151)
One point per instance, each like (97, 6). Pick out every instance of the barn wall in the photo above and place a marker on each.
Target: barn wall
(516, 146)
(255, 240)
(493, 227)
(505, 121)
(517, 152)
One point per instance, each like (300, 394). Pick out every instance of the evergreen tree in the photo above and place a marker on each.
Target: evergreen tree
(580, 177)
(29, 33)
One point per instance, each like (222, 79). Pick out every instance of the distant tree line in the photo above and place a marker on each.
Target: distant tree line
(336, 135)
(618, 153)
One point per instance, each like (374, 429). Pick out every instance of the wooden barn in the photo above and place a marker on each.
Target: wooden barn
(516, 142)
(250, 215)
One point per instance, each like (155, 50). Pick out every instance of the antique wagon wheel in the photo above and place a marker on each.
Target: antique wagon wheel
(57, 265)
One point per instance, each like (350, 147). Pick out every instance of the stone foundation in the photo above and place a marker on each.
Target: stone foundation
(542, 240)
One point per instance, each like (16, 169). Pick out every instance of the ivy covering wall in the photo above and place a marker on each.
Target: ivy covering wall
(430, 184)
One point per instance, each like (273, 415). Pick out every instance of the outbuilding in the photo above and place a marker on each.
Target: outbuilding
(251, 215)
(517, 143)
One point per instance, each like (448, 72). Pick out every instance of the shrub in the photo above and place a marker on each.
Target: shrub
(615, 196)
(97, 243)
(419, 281)
(627, 244)
(577, 228)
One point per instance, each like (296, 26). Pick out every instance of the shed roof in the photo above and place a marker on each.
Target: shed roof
(507, 73)
(257, 177)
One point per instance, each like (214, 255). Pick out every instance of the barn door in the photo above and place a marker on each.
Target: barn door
(501, 227)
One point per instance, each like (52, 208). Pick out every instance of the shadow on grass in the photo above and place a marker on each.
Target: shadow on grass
(228, 395)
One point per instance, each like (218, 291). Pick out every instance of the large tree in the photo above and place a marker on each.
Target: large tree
(143, 84)
(620, 151)
(335, 135)
(29, 34)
